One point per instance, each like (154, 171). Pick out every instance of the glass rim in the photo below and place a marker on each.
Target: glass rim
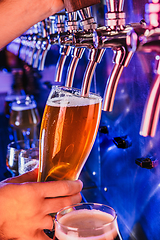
(21, 141)
(77, 89)
(87, 203)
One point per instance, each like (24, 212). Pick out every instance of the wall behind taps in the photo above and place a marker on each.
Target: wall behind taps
(133, 191)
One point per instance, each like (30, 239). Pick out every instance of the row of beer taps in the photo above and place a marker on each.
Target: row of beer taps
(75, 29)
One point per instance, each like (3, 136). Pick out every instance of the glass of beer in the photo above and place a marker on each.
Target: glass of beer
(87, 221)
(24, 119)
(68, 130)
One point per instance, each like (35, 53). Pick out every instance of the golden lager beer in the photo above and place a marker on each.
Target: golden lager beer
(24, 119)
(68, 130)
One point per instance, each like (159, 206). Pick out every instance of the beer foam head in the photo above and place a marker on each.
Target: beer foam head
(73, 101)
(22, 107)
(91, 224)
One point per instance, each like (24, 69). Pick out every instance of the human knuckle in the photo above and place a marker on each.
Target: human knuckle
(66, 187)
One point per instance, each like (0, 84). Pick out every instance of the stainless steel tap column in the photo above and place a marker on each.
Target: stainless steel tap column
(151, 42)
(114, 36)
(76, 52)
(45, 45)
(95, 57)
(41, 38)
(64, 49)
(87, 24)
(145, 38)
(152, 108)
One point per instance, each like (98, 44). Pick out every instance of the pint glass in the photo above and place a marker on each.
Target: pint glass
(24, 119)
(87, 221)
(68, 130)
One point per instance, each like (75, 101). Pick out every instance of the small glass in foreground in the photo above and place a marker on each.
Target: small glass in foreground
(87, 221)
(28, 160)
(13, 151)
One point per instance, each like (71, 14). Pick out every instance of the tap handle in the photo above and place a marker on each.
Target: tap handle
(115, 6)
(72, 5)
(152, 13)
(115, 17)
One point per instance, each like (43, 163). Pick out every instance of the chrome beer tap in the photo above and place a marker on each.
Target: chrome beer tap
(28, 45)
(52, 29)
(24, 44)
(38, 45)
(76, 52)
(95, 55)
(152, 108)
(151, 42)
(32, 48)
(114, 36)
(42, 46)
(81, 40)
(146, 38)
(64, 49)
(45, 46)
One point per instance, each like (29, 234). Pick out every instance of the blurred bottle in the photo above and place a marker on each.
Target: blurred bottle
(17, 90)
(24, 119)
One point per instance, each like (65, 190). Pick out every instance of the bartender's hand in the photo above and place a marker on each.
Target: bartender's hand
(25, 205)
(19, 15)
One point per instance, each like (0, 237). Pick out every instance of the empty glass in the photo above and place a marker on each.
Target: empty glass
(28, 160)
(13, 151)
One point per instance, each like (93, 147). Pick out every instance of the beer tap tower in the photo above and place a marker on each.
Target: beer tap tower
(64, 49)
(76, 52)
(123, 168)
(80, 40)
(147, 39)
(41, 42)
(114, 36)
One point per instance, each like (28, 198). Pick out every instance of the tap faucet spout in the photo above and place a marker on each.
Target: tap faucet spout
(64, 52)
(152, 108)
(111, 87)
(39, 42)
(121, 58)
(95, 58)
(77, 54)
(32, 49)
(42, 57)
(45, 45)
